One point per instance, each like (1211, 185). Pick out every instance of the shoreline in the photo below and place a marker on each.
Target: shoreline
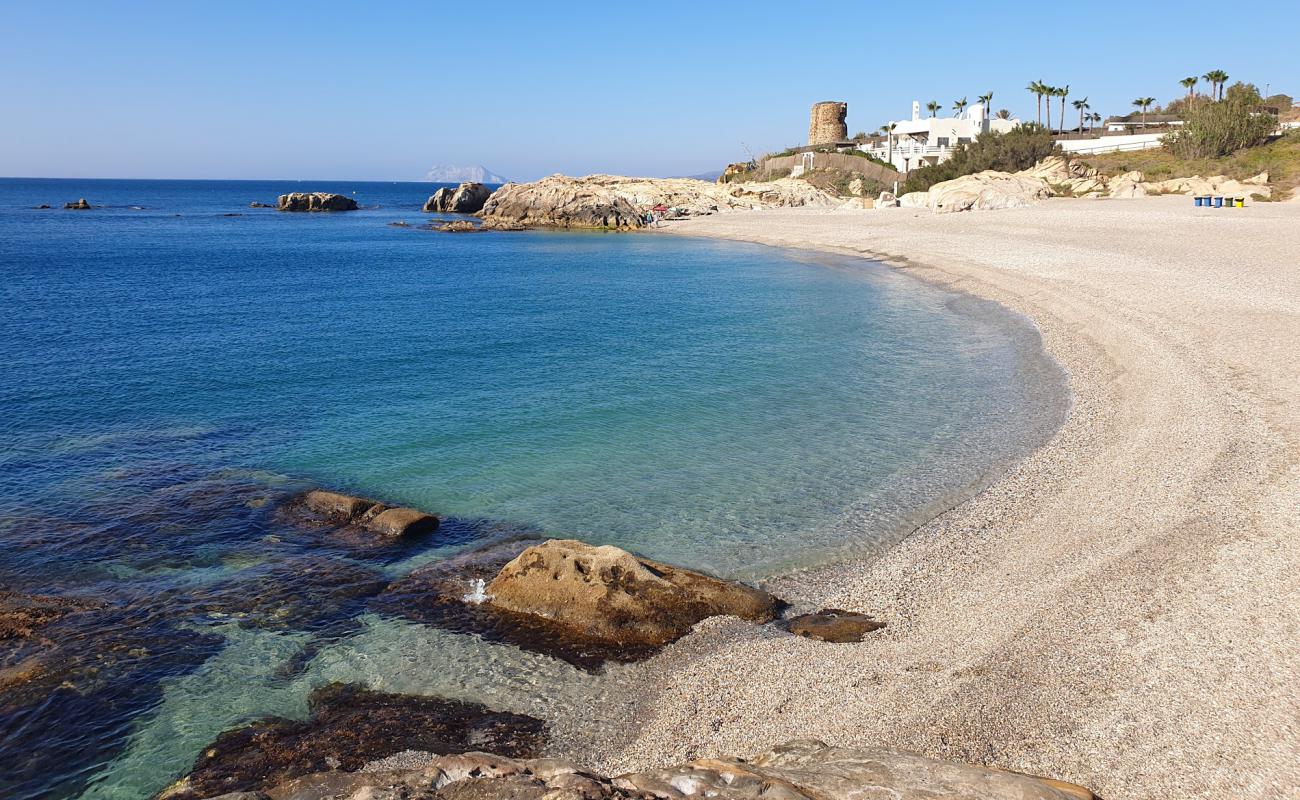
(1089, 656)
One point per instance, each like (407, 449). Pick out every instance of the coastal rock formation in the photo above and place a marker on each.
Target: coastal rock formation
(616, 202)
(833, 625)
(79, 205)
(798, 770)
(316, 201)
(459, 226)
(371, 515)
(1071, 175)
(350, 726)
(609, 594)
(985, 191)
(468, 198)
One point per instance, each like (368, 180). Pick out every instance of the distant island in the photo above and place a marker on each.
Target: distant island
(463, 174)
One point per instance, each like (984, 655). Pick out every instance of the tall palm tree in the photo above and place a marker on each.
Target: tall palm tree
(1081, 105)
(987, 100)
(1144, 103)
(1093, 117)
(1049, 92)
(1063, 93)
(1190, 84)
(1216, 78)
(933, 107)
(888, 129)
(960, 105)
(1223, 82)
(1038, 88)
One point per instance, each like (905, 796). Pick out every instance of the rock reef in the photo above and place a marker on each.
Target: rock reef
(370, 515)
(615, 202)
(315, 201)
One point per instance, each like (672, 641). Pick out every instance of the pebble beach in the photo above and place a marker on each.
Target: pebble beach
(1121, 609)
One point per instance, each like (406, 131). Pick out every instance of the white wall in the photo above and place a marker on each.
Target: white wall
(1113, 144)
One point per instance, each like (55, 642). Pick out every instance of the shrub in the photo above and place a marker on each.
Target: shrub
(1219, 128)
(1017, 149)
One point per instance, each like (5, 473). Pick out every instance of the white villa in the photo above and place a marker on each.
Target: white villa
(921, 141)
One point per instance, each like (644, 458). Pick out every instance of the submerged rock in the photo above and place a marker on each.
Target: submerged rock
(316, 201)
(349, 727)
(468, 198)
(833, 625)
(459, 226)
(21, 615)
(365, 514)
(609, 594)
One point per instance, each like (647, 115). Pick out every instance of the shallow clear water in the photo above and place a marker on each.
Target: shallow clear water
(171, 372)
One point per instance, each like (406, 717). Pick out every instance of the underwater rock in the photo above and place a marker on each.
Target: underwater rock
(21, 615)
(349, 727)
(833, 625)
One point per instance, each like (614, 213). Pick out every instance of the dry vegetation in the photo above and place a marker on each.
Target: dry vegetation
(1280, 158)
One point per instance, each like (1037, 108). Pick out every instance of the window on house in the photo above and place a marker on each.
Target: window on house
(943, 141)
(963, 140)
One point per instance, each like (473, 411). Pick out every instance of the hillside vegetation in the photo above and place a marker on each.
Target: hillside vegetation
(1017, 149)
(1279, 158)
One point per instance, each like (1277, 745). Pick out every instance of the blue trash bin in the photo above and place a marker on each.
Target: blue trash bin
(1218, 202)
(1199, 200)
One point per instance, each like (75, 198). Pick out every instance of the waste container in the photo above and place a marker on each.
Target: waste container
(1218, 202)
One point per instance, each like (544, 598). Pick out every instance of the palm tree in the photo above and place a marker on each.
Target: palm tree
(1216, 78)
(987, 100)
(1093, 117)
(959, 105)
(933, 107)
(1004, 113)
(888, 129)
(1144, 103)
(1081, 105)
(1038, 89)
(1049, 92)
(1190, 84)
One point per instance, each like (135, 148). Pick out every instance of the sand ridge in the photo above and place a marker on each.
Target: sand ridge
(1122, 608)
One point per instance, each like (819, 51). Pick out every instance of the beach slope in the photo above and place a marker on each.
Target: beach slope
(1119, 610)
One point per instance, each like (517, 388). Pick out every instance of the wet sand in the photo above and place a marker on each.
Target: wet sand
(1121, 609)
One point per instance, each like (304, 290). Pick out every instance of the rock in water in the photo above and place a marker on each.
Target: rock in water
(316, 201)
(468, 198)
(361, 512)
(833, 625)
(611, 595)
(350, 726)
(80, 205)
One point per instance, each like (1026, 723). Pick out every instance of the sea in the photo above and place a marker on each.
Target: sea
(178, 364)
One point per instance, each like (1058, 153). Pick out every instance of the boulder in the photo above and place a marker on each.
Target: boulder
(562, 202)
(1128, 185)
(913, 200)
(316, 201)
(468, 198)
(344, 507)
(349, 727)
(799, 770)
(80, 205)
(986, 191)
(611, 595)
(402, 522)
(833, 625)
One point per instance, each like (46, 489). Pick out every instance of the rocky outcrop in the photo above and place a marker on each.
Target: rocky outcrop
(798, 770)
(616, 202)
(1078, 179)
(986, 191)
(316, 201)
(79, 205)
(371, 515)
(833, 625)
(350, 726)
(1068, 175)
(468, 198)
(609, 594)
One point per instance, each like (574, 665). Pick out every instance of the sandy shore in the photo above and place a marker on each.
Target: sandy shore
(1122, 609)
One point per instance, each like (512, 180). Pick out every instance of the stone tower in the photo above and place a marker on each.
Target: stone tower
(827, 124)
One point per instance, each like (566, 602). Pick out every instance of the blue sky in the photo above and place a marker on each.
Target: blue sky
(384, 90)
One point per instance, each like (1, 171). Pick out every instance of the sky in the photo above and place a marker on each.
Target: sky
(384, 90)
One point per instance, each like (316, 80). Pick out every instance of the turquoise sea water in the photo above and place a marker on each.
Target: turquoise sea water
(170, 371)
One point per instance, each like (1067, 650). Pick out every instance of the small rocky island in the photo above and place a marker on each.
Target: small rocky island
(468, 198)
(316, 201)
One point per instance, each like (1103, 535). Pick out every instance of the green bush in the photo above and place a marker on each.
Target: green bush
(1219, 128)
(1017, 149)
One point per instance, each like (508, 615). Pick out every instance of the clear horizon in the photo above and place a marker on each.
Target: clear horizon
(247, 91)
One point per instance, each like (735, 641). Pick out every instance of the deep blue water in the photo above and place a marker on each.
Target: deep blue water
(170, 371)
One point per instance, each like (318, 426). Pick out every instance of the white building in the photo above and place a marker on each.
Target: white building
(921, 141)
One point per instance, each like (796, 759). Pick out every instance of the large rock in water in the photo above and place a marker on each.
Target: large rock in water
(316, 201)
(369, 514)
(799, 770)
(468, 198)
(562, 202)
(609, 594)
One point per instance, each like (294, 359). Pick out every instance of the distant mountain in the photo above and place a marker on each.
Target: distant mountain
(455, 174)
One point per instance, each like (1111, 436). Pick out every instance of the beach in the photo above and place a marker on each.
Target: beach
(1120, 609)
